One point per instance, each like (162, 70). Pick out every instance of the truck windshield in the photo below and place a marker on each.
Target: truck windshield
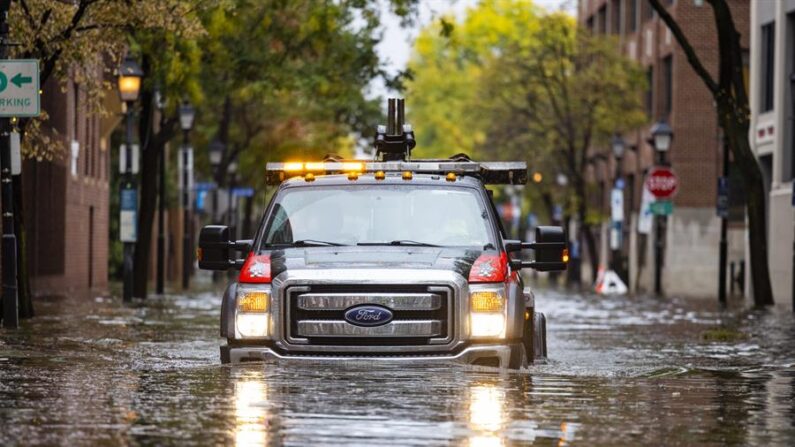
(388, 215)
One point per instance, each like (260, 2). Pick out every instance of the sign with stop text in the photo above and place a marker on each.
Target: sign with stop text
(662, 182)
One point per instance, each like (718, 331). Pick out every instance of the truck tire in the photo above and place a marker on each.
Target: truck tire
(539, 336)
(225, 359)
(519, 358)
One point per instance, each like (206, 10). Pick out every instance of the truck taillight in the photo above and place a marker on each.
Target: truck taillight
(256, 270)
(489, 267)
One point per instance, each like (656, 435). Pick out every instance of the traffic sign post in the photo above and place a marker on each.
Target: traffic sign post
(19, 88)
(662, 182)
(19, 97)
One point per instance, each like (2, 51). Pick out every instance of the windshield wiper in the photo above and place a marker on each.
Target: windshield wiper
(404, 242)
(312, 243)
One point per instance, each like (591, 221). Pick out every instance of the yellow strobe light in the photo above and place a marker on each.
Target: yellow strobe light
(315, 166)
(451, 177)
(352, 166)
(380, 175)
(293, 167)
(407, 175)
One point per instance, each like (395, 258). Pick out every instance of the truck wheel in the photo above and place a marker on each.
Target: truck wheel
(539, 335)
(225, 355)
(518, 358)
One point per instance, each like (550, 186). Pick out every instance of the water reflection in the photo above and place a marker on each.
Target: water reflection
(251, 410)
(486, 415)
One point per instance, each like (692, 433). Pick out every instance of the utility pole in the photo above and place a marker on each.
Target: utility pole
(9, 245)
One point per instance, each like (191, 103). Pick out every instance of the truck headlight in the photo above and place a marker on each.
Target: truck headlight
(487, 311)
(252, 317)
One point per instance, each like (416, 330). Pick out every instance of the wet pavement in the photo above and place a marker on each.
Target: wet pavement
(628, 371)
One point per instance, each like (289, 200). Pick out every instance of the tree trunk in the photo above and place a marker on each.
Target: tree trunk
(148, 203)
(755, 206)
(585, 232)
(248, 211)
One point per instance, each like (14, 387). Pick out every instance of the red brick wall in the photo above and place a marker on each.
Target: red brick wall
(696, 152)
(67, 249)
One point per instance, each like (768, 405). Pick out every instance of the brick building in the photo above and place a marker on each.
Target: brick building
(67, 199)
(677, 95)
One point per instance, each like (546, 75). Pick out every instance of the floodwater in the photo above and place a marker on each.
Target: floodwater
(622, 371)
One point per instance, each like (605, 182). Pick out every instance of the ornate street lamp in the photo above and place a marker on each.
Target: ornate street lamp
(129, 82)
(661, 137)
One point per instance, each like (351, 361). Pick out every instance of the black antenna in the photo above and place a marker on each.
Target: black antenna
(390, 117)
(394, 141)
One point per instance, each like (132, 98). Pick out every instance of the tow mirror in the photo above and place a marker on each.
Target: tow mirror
(215, 249)
(551, 253)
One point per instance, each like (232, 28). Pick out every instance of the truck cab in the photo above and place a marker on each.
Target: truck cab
(396, 260)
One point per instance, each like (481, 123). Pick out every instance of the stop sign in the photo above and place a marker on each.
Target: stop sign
(662, 182)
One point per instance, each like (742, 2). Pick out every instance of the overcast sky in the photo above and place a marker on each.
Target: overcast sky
(395, 47)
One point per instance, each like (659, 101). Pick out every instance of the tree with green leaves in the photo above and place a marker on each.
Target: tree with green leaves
(83, 41)
(731, 99)
(536, 88)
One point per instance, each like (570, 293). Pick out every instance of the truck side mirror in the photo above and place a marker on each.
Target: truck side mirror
(551, 253)
(215, 248)
(550, 249)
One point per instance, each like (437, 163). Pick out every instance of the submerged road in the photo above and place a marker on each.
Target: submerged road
(622, 371)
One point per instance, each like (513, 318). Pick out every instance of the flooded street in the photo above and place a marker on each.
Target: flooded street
(632, 371)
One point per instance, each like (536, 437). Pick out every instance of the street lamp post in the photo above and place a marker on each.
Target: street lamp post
(130, 75)
(661, 137)
(186, 115)
(618, 153)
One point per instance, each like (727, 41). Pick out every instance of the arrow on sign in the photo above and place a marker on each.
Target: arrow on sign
(20, 80)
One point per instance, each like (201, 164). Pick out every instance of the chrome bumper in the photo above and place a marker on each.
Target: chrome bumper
(468, 356)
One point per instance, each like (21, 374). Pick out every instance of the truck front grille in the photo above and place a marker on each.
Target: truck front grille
(315, 315)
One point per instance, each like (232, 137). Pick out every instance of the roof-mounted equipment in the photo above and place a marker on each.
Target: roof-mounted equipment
(395, 140)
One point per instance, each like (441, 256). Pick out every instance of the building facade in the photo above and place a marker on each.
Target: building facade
(678, 96)
(772, 96)
(67, 205)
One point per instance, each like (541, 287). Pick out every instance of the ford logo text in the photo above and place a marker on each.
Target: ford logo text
(368, 315)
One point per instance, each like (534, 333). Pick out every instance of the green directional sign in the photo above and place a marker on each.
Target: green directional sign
(19, 88)
(662, 208)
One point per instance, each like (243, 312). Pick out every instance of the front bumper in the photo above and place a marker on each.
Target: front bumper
(489, 355)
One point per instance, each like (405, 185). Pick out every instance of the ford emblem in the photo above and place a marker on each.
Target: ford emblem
(368, 315)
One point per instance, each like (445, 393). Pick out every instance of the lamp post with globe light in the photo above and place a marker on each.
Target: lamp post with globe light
(661, 137)
(129, 82)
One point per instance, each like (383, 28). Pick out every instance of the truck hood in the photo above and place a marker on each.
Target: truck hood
(459, 260)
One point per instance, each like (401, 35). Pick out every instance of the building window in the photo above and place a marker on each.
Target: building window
(648, 11)
(615, 17)
(649, 92)
(632, 16)
(768, 62)
(668, 85)
(589, 24)
(603, 20)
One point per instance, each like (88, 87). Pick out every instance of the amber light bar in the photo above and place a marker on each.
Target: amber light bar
(493, 173)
